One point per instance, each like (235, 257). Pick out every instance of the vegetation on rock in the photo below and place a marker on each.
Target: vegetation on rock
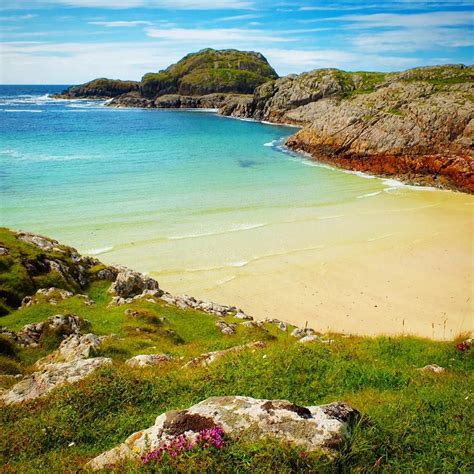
(99, 89)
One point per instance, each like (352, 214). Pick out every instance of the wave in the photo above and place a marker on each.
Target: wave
(362, 196)
(239, 228)
(22, 110)
(98, 251)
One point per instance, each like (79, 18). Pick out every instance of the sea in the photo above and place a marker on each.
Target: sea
(191, 197)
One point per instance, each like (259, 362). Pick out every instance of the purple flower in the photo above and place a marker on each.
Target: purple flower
(205, 439)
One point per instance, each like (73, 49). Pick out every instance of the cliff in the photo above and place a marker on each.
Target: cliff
(416, 125)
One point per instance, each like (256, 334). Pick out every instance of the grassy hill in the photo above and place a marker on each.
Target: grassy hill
(411, 421)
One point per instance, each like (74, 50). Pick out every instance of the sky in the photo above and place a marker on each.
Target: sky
(73, 41)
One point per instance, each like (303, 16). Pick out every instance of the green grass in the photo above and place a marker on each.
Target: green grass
(411, 421)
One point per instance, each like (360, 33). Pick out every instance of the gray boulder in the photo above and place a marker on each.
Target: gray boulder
(312, 428)
(130, 283)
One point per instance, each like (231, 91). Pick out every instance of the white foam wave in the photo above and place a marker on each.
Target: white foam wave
(98, 251)
(362, 196)
(22, 110)
(238, 228)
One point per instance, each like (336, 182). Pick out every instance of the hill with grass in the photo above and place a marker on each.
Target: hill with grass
(204, 73)
(91, 355)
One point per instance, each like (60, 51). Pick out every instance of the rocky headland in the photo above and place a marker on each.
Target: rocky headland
(416, 125)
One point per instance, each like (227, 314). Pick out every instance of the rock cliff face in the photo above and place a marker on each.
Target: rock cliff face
(417, 125)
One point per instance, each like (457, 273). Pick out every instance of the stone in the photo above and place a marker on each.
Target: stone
(210, 357)
(130, 283)
(282, 326)
(241, 315)
(302, 332)
(433, 368)
(311, 428)
(307, 339)
(3, 251)
(53, 375)
(39, 241)
(46, 295)
(226, 328)
(146, 360)
(61, 324)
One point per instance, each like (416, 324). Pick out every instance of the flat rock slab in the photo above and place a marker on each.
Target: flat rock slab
(312, 428)
(53, 375)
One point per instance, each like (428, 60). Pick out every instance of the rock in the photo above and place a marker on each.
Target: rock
(130, 283)
(312, 428)
(3, 251)
(41, 242)
(241, 315)
(255, 325)
(147, 360)
(79, 347)
(100, 89)
(210, 357)
(46, 295)
(302, 332)
(307, 339)
(40, 383)
(436, 369)
(109, 273)
(226, 328)
(60, 324)
(282, 326)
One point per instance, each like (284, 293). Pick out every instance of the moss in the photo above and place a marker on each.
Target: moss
(209, 71)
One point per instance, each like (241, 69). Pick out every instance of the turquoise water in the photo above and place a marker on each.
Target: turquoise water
(104, 179)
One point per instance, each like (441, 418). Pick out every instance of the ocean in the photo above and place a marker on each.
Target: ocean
(198, 200)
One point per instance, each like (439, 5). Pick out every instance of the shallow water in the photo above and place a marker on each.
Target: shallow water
(207, 204)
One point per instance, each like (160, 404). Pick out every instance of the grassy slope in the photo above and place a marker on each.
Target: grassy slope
(412, 421)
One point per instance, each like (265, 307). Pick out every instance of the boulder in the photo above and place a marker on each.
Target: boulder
(39, 241)
(60, 324)
(130, 283)
(40, 383)
(226, 328)
(307, 339)
(302, 332)
(433, 368)
(146, 360)
(46, 295)
(208, 358)
(312, 428)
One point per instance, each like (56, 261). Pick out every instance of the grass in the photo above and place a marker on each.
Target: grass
(411, 421)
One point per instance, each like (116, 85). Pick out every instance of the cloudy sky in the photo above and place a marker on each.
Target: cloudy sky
(72, 41)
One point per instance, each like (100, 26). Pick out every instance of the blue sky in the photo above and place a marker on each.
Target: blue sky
(72, 41)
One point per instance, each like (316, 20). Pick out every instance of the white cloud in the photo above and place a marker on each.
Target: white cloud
(126, 4)
(120, 24)
(414, 39)
(17, 17)
(248, 16)
(418, 20)
(215, 35)
(287, 61)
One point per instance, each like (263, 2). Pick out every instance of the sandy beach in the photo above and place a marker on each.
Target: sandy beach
(398, 262)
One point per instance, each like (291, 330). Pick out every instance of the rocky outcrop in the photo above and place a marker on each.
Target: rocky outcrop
(98, 89)
(36, 262)
(312, 428)
(46, 295)
(417, 125)
(206, 79)
(129, 283)
(147, 360)
(225, 327)
(60, 324)
(40, 383)
(210, 357)
(175, 101)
